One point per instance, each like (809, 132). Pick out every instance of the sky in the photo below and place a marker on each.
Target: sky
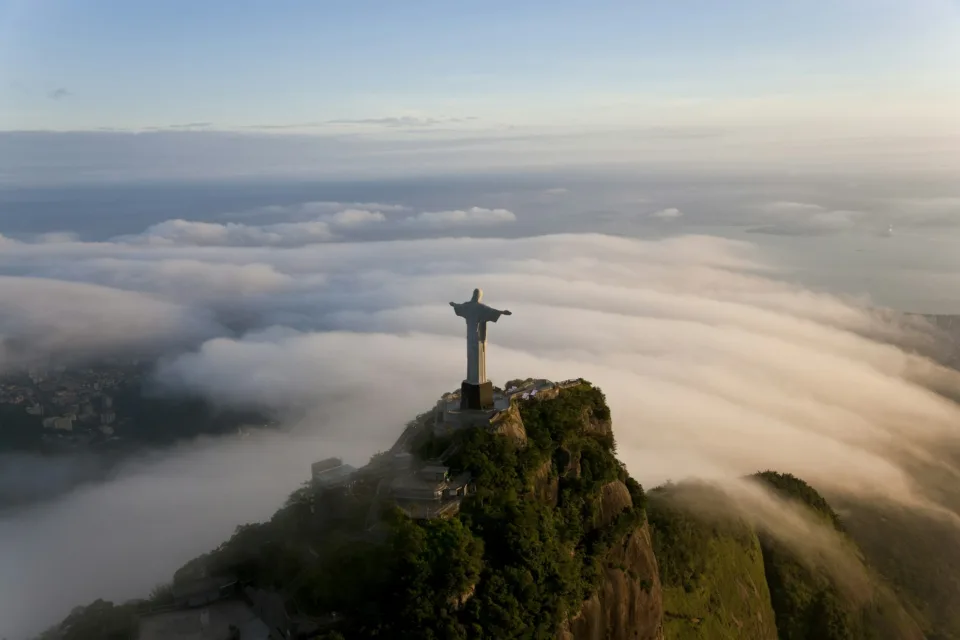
(371, 65)
(109, 91)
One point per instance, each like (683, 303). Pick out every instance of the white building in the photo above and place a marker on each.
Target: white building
(431, 483)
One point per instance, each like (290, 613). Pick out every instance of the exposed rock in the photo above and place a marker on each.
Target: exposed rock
(508, 423)
(596, 426)
(546, 484)
(614, 498)
(627, 604)
(568, 462)
(458, 601)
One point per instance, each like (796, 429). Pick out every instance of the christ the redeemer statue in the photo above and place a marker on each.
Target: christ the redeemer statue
(477, 316)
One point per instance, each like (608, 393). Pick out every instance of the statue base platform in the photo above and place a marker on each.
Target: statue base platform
(474, 397)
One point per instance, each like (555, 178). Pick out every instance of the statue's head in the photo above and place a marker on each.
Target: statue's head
(477, 295)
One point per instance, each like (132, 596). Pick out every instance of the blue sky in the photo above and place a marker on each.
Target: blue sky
(69, 65)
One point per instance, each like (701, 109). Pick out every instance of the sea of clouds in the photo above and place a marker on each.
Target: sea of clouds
(713, 367)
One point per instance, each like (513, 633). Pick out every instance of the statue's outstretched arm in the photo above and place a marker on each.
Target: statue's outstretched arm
(506, 312)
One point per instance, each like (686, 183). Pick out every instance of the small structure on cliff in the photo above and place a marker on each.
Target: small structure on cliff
(331, 472)
(431, 491)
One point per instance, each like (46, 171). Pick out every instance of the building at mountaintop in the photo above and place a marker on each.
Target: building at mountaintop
(331, 472)
(430, 491)
(426, 489)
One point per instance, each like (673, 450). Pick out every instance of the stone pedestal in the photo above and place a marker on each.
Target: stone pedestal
(476, 397)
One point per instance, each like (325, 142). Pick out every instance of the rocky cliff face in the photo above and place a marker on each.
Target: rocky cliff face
(546, 484)
(509, 424)
(614, 499)
(628, 604)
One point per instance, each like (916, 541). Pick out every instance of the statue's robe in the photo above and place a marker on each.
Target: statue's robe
(477, 316)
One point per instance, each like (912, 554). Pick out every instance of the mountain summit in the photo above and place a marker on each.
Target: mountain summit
(512, 522)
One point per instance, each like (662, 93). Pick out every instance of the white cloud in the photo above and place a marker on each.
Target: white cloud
(306, 223)
(56, 237)
(69, 320)
(801, 219)
(315, 209)
(234, 234)
(333, 225)
(181, 278)
(463, 217)
(712, 369)
(355, 217)
(671, 213)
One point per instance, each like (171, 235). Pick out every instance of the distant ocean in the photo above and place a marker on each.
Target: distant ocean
(99, 212)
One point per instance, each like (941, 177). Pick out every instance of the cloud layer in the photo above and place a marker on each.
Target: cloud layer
(306, 227)
(48, 321)
(712, 367)
(472, 216)
(670, 213)
(181, 232)
(389, 148)
(803, 219)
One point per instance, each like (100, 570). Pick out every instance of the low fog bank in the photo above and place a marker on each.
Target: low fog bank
(713, 369)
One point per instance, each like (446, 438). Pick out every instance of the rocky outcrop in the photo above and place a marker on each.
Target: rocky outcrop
(614, 498)
(568, 462)
(628, 604)
(509, 423)
(546, 484)
(596, 426)
(460, 600)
